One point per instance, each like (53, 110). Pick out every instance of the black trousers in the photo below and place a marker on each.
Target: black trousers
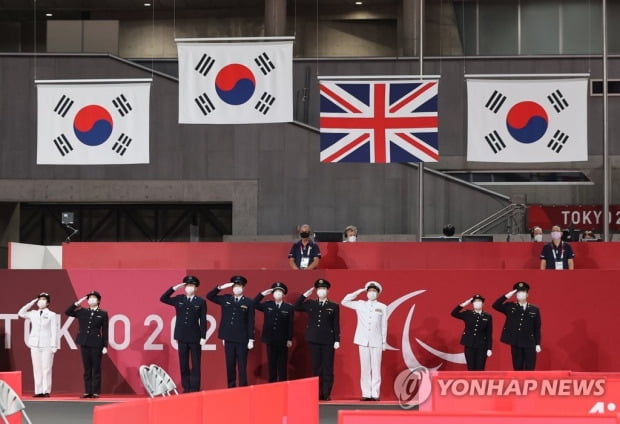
(236, 358)
(476, 358)
(322, 356)
(277, 358)
(91, 360)
(190, 376)
(523, 358)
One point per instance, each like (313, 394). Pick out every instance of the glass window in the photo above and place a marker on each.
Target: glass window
(498, 33)
(540, 27)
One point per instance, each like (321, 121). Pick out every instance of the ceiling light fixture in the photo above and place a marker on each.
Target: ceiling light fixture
(147, 4)
(49, 15)
(359, 3)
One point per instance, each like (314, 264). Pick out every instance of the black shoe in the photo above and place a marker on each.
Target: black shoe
(37, 395)
(365, 399)
(86, 396)
(375, 399)
(46, 395)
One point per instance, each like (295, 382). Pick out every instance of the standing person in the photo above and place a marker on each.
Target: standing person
(305, 253)
(322, 334)
(92, 338)
(236, 328)
(522, 328)
(478, 333)
(558, 254)
(370, 336)
(277, 329)
(42, 341)
(190, 329)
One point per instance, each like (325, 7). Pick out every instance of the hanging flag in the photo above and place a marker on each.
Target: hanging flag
(93, 123)
(527, 120)
(379, 121)
(235, 83)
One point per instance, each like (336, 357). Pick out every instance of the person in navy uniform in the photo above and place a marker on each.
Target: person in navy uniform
(190, 329)
(277, 329)
(478, 333)
(92, 338)
(322, 334)
(558, 254)
(236, 328)
(305, 253)
(522, 328)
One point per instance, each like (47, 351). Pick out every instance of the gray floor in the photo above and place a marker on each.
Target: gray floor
(64, 412)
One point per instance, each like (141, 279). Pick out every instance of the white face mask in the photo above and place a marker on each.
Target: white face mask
(352, 238)
(538, 237)
(371, 295)
(237, 291)
(92, 301)
(477, 305)
(556, 235)
(41, 303)
(277, 295)
(521, 295)
(321, 293)
(190, 290)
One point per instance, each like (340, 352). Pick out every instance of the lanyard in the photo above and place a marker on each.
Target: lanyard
(555, 257)
(301, 249)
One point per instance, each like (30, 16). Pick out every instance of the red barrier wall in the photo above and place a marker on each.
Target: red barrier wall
(579, 319)
(388, 255)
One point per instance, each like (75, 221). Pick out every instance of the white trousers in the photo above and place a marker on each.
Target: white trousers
(370, 378)
(42, 361)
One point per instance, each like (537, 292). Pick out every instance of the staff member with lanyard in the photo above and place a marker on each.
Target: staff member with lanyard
(558, 254)
(305, 253)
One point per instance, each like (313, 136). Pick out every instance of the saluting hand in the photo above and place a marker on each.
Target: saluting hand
(178, 286)
(465, 303)
(308, 292)
(266, 292)
(225, 286)
(77, 303)
(510, 294)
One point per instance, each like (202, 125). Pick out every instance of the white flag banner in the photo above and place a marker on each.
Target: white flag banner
(527, 120)
(94, 123)
(235, 83)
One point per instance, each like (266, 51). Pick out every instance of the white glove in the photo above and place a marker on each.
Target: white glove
(33, 301)
(54, 349)
(308, 292)
(77, 303)
(510, 294)
(223, 342)
(250, 344)
(266, 292)
(225, 286)
(202, 342)
(336, 345)
(104, 350)
(289, 343)
(178, 286)
(489, 352)
(467, 302)
(358, 292)
(538, 349)
(384, 347)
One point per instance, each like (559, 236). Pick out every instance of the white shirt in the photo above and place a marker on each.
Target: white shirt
(371, 328)
(44, 326)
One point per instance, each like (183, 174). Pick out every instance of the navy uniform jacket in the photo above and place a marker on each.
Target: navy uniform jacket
(237, 320)
(93, 326)
(323, 321)
(478, 332)
(278, 322)
(191, 323)
(522, 327)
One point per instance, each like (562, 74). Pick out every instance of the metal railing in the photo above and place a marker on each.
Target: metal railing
(513, 215)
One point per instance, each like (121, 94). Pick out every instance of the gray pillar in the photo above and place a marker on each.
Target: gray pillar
(409, 24)
(275, 18)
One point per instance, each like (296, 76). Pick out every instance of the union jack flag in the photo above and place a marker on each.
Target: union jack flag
(379, 121)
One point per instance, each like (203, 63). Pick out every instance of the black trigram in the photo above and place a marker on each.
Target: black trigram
(204, 65)
(62, 144)
(557, 100)
(264, 63)
(121, 145)
(558, 141)
(264, 103)
(63, 105)
(205, 104)
(122, 105)
(495, 142)
(495, 102)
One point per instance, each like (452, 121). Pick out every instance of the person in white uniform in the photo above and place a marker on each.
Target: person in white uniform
(42, 340)
(370, 336)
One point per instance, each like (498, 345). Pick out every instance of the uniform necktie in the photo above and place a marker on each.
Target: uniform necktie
(236, 300)
(41, 312)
